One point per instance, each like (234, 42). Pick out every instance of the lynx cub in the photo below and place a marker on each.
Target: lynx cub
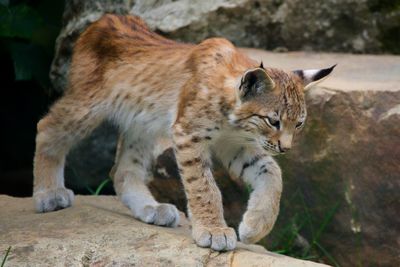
(208, 98)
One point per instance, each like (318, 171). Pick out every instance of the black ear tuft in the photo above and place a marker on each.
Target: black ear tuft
(323, 73)
(254, 82)
(262, 65)
(314, 75)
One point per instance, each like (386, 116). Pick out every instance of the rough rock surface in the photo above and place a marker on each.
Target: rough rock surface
(334, 25)
(99, 231)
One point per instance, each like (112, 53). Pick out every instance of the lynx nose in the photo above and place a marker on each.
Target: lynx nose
(282, 148)
(285, 143)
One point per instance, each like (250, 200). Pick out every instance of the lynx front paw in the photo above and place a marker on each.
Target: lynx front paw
(54, 199)
(217, 238)
(248, 235)
(255, 225)
(162, 214)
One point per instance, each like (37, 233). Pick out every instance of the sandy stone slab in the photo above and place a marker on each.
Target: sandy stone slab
(99, 231)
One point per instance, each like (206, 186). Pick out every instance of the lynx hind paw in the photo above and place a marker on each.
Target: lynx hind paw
(53, 199)
(162, 214)
(217, 238)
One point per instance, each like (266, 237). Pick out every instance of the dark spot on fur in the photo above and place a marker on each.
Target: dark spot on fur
(197, 160)
(195, 139)
(262, 172)
(249, 164)
(218, 57)
(187, 163)
(191, 179)
(235, 157)
(183, 146)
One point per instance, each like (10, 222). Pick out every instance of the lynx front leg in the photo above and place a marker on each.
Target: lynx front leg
(204, 198)
(263, 174)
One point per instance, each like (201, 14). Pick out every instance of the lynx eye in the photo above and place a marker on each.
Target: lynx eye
(273, 122)
(299, 124)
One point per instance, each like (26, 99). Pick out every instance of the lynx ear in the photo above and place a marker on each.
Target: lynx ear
(254, 82)
(312, 77)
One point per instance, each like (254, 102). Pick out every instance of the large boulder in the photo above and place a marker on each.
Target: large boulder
(346, 170)
(99, 231)
(334, 25)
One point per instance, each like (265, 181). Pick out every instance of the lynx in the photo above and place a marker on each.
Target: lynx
(209, 99)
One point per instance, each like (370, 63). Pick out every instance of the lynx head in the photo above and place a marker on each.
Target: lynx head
(271, 106)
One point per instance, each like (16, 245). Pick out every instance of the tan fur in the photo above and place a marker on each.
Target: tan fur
(151, 88)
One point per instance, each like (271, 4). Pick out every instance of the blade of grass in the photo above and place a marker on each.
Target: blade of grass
(5, 257)
(90, 190)
(310, 257)
(77, 180)
(327, 254)
(297, 226)
(327, 219)
(285, 235)
(308, 215)
(101, 186)
(285, 231)
(282, 251)
(289, 233)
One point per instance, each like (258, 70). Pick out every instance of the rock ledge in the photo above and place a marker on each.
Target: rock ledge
(99, 231)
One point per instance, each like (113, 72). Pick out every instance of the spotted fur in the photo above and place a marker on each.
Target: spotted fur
(207, 98)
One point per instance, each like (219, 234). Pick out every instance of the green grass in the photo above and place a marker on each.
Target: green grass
(99, 188)
(303, 223)
(3, 262)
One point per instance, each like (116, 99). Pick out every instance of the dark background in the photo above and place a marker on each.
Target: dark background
(28, 30)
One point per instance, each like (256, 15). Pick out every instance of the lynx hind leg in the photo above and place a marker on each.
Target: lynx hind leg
(67, 122)
(131, 174)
